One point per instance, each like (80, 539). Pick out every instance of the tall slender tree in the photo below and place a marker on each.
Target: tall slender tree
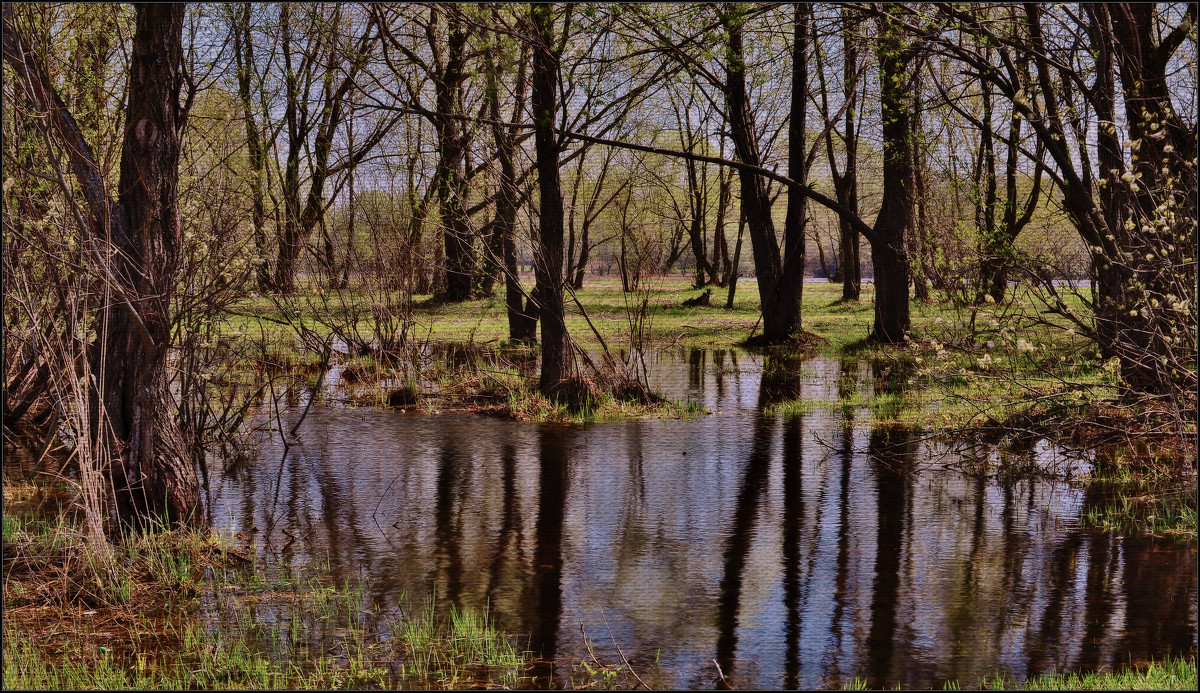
(548, 292)
(780, 276)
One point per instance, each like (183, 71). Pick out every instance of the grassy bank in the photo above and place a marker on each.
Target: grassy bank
(187, 610)
(985, 363)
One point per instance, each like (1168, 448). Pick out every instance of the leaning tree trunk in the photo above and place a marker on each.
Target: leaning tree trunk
(548, 259)
(153, 473)
(780, 307)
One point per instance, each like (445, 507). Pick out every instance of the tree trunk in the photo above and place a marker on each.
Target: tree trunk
(791, 282)
(585, 252)
(522, 322)
(159, 477)
(451, 174)
(698, 203)
(985, 207)
(300, 221)
(1136, 322)
(153, 473)
(548, 260)
(244, 55)
(719, 265)
(737, 260)
(780, 307)
(289, 240)
(890, 261)
(889, 255)
(846, 186)
(918, 212)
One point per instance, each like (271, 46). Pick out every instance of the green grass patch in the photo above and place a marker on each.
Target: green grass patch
(183, 610)
(526, 404)
(1175, 674)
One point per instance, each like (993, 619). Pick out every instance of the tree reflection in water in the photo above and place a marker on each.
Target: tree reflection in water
(797, 552)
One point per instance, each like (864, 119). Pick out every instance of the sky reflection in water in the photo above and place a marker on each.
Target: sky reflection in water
(796, 552)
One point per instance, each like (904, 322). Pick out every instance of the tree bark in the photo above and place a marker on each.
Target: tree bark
(846, 185)
(160, 477)
(719, 264)
(153, 473)
(780, 309)
(451, 173)
(548, 261)
(888, 252)
(791, 282)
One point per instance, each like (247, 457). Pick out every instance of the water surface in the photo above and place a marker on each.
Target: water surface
(794, 552)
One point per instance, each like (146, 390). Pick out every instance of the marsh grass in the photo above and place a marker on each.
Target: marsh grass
(965, 367)
(1174, 674)
(1170, 512)
(527, 404)
(457, 649)
(1171, 675)
(198, 613)
(186, 609)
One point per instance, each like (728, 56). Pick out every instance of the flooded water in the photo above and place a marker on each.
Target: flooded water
(793, 552)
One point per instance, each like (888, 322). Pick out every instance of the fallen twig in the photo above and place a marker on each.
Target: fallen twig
(623, 658)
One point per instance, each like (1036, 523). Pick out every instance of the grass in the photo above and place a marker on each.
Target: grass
(321, 639)
(526, 404)
(183, 610)
(1175, 674)
(964, 367)
(1132, 508)
(1171, 675)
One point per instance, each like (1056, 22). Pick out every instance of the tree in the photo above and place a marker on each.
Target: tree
(449, 74)
(845, 182)
(889, 256)
(548, 292)
(706, 270)
(522, 318)
(780, 278)
(243, 52)
(999, 220)
(1136, 214)
(137, 238)
(317, 112)
(778, 289)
